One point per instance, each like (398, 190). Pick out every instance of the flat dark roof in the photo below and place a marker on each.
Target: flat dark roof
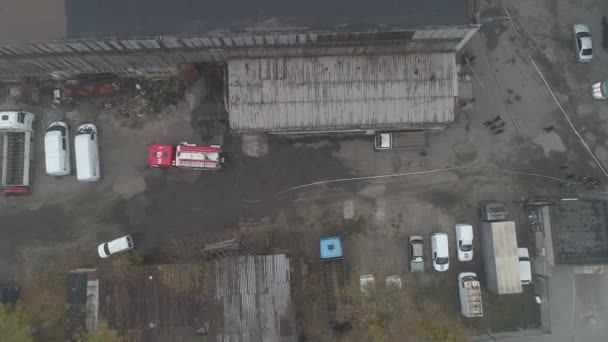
(580, 232)
(122, 18)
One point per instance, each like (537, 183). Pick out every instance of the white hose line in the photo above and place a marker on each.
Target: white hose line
(422, 173)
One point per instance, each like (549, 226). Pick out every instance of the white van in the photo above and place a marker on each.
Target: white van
(440, 252)
(464, 241)
(87, 155)
(57, 149)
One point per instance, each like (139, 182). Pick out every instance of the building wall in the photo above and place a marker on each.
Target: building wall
(161, 56)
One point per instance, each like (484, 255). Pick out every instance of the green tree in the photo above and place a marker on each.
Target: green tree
(103, 333)
(14, 324)
(388, 313)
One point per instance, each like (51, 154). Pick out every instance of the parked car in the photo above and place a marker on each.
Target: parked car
(440, 252)
(464, 241)
(416, 259)
(118, 245)
(605, 32)
(582, 43)
(599, 90)
(525, 270)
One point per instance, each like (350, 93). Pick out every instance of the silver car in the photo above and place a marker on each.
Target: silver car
(416, 260)
(582, 43)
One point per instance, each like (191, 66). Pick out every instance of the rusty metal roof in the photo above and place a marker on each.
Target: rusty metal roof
(342, 93)
(255, 292)
(238, 299)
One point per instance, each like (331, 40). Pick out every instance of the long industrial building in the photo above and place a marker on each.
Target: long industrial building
(293, 66)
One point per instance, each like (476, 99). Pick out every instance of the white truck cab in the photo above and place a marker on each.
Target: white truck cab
(440, 252)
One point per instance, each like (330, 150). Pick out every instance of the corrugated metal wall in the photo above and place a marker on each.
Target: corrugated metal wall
(160, 56)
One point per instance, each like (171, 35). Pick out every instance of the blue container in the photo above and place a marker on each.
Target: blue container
(331, 248)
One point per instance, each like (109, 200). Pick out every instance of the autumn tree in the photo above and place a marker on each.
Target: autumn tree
(103, 333)
(386, 313)
(14, 324)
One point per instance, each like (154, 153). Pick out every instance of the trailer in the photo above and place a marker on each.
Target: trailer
(470, 295)
(16, 128)
(186, 156)
(334, 280)
(501, 263)
(401, 140)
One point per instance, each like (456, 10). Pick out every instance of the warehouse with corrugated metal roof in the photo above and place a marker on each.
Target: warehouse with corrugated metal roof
(241, 298)
(342, 93)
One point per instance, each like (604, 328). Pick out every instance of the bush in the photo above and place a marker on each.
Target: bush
(385, 314)
(14, 324)
(103, 333)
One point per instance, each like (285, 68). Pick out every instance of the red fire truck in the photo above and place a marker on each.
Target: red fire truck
(186, 156)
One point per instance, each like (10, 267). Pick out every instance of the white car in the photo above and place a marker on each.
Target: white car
(440, 252)
(582, 43)
(464, 241)
(599, 90)
(118, 245)
(525, 271)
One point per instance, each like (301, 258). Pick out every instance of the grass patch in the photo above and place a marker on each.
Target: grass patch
(508, 312)
(182, 279)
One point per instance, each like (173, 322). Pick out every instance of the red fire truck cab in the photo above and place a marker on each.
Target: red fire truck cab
(186, 156)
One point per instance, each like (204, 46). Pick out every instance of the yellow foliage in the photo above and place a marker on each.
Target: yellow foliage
(14, 325)
(103, 333)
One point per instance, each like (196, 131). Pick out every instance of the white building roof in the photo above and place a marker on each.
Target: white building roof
(342, 93)
(504, 238)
